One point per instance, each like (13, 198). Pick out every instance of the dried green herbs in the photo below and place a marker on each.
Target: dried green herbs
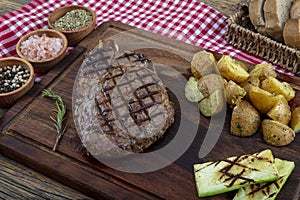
(60, 117)
(73, 20)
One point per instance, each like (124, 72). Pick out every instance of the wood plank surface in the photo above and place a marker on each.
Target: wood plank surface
(28, 134)
(225, 7)
(8, 6)
(27, 184)
(21, 182)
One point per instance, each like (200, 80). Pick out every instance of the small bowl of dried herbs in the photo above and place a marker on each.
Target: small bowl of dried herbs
(75, 21)
(16, 79)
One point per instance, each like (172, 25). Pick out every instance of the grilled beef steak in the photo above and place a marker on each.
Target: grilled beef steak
(133, 108)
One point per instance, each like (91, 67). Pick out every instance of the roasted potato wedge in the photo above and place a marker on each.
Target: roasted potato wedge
(245, 119)
(203, 63)
(234, 93)
(263, 71)
(210, 83)
(295, 121)
(251, 81)
(281, 111)
(213, 104)
(230, 69)
(275, 86)
(261, 99)
(242, 64)
(191, 90)
(276, 133)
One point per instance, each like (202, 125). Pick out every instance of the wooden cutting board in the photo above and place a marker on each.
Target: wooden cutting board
(28, 134)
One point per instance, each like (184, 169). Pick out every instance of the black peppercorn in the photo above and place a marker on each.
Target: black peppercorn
(13, 77)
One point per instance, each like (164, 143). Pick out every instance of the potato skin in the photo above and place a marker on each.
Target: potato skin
(191, 91)
(213, 104)
(210, 83)
(245, 119)
(203, 63)
(275, 86)
(295, 120)
(281, 111)
(276, 133)
(261, 99)
(231, 69)
(234, 93)
(263, 71)
(251, 81)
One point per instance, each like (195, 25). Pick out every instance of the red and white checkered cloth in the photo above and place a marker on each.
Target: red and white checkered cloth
(189, 21)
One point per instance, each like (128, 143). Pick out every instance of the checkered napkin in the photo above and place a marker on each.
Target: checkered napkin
(189, 21)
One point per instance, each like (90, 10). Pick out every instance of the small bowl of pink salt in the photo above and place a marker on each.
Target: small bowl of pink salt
(43, 48)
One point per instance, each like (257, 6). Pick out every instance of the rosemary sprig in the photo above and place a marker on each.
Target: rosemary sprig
(61, 110)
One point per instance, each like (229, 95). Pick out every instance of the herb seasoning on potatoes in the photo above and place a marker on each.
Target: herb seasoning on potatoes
(257, 97)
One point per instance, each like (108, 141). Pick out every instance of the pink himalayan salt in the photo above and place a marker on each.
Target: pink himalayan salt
(41, 48)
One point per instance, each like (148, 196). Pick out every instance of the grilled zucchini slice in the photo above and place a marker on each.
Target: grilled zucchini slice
(267, 191)
(234, 173)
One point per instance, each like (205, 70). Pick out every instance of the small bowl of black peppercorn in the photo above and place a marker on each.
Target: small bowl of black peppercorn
(74, 21)
(16, 79)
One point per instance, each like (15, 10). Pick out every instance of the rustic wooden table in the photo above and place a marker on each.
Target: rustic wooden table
(20, 182)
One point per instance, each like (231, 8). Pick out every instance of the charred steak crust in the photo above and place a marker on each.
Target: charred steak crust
(133, 106)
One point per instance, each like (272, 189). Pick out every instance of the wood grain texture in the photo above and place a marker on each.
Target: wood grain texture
(28, 135)
(35, 184)
(18, 182)
(8, 6)
(226, 7)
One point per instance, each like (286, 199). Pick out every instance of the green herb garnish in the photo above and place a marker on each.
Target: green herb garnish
(60, 117)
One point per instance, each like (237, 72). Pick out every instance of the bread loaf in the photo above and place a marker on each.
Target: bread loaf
(291, 33)
(256, 14)
(295, 9)
(276, 13)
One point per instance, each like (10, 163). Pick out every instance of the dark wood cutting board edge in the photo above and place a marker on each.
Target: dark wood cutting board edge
(83, 177)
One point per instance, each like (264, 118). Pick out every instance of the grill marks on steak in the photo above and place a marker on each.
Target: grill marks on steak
(144, 99)
(134, 108)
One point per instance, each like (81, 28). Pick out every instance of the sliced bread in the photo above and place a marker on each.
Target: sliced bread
(291, 33)
(256, 14)
(276, 13)
(295, 9)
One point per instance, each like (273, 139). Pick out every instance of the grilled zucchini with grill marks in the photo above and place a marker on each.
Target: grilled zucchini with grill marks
(267, 191)
(234, 172)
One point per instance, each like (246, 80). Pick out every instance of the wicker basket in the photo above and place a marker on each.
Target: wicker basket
(241, 34)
